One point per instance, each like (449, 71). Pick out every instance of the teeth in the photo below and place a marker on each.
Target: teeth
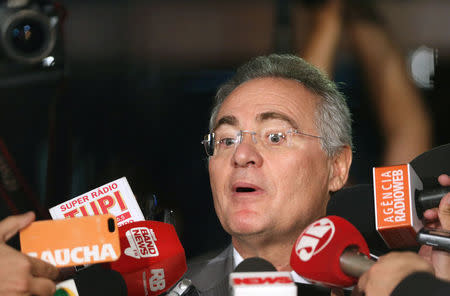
(245, 189)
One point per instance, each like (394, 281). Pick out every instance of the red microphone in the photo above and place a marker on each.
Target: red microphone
(152, 260)
(332, 252)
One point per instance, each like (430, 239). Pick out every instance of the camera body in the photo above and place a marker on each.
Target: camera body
(30, 38)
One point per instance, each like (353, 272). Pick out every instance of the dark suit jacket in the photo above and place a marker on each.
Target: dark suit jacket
(210, 277)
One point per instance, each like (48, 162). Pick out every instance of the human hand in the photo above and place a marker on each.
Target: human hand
(439, 218)
(19, 273)
(388, 272)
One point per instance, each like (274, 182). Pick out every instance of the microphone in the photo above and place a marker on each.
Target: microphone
(331, 252)
(393, 207)
(93, 280)
(431, 164)
(400, 202)
(256, 276)
(254, 264)
(417, 198)
(152, 259)
(356, 205)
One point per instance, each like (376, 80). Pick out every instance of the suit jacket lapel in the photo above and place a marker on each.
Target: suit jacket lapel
(212, 278)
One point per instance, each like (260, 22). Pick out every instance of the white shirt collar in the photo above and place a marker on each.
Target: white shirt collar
(295, 277)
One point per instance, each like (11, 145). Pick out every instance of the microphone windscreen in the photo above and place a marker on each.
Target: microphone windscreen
(153, 244)
(254, 264)
(316, 253)
(432, 163)
(152, 260)
(356, 205)
(96, 280)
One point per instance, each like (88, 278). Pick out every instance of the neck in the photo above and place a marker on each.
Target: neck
(278, 253)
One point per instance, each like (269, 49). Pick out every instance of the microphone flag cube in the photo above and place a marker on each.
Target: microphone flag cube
(262, 283)
(396, 216)
(115, 197)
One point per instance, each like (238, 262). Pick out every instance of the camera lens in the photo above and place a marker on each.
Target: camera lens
(27, 36)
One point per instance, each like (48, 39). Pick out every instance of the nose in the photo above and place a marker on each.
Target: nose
(246, 153)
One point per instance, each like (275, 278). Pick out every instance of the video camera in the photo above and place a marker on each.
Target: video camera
(30, 40)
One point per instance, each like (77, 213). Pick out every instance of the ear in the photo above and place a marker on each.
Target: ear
(340, 167)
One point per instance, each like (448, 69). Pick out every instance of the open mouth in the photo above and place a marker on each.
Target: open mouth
(245, 189)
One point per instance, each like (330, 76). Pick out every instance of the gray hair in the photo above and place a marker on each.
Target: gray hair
(333, 119)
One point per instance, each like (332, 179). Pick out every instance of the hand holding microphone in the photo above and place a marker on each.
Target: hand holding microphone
(439, 218)
(333, 253)
(152, 261)
(19, 273)
(390, 269)
(402, 194)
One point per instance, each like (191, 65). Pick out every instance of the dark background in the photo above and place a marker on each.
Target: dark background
(138, 85)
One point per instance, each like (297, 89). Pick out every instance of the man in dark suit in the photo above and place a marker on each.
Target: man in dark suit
(279, 143)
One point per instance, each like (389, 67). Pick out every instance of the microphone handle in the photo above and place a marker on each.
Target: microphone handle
(430, 198)
(354, 263)
(183, 288)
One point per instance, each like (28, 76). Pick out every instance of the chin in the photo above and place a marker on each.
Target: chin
(245, 224)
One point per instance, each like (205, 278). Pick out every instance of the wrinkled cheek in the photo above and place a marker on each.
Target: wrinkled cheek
(213, 181)
(217, 176)
(218, 206)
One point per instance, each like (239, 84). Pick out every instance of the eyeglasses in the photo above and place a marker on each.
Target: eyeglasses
(223, 142)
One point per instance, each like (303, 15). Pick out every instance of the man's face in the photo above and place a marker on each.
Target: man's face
(258, 191)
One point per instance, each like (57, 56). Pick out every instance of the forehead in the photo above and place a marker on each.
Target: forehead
(270, 95)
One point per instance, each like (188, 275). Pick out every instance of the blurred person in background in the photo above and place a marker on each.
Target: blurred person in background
(400, 112)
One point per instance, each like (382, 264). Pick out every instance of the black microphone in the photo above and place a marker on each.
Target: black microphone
(94, 280)
(430, 164)
(254, 264)
(356, 205)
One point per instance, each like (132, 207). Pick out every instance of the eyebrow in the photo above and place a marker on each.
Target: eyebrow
(233, 121)
(229, 120)
(274, 115)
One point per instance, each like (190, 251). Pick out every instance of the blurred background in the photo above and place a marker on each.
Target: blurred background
(104, 89)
